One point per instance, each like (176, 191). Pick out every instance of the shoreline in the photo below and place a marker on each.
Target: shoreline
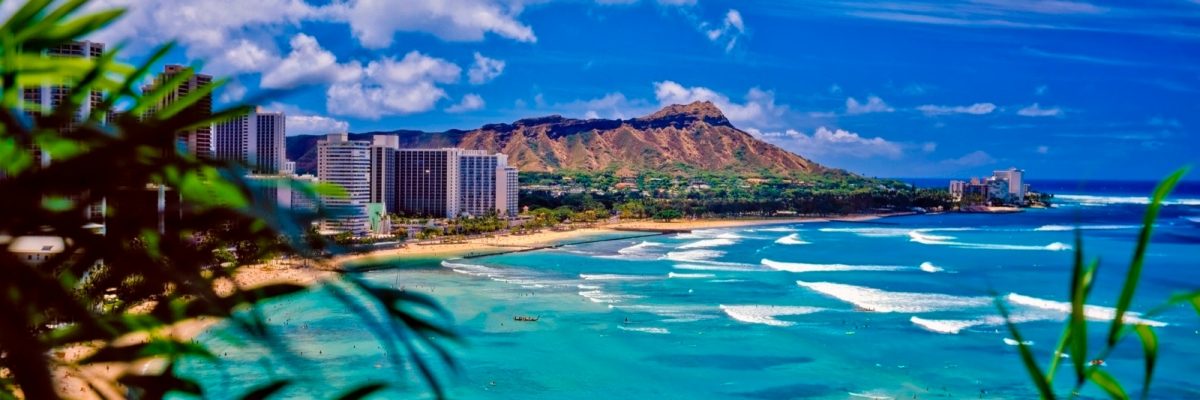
(507, 243)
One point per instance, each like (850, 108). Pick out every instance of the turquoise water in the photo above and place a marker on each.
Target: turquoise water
(884, 309)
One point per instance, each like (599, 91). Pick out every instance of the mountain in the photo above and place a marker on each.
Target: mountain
(694, 136)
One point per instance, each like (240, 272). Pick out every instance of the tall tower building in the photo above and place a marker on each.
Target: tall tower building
(255, 140)
(196, 141)
(383, 171)
(49, 97)
(508, 192)
(346, 163)
(427, 182)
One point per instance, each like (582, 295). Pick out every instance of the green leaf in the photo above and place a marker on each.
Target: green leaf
(1139, 254)
(1150, 347)
(1108, 383)
(1031, 367)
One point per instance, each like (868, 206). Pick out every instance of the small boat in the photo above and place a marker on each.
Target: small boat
(525, 318)
(1098, 363)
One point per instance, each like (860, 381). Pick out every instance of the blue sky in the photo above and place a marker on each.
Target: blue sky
(1063, 89)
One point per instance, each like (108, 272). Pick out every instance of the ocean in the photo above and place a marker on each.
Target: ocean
(890, 308)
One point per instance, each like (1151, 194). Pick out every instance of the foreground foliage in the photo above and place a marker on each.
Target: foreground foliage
(1074, 343)
(120, 292)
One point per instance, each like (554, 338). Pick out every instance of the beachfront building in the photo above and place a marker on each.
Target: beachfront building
(255, 140)
(483, 183)
(195, 141)
(510, 190)
(383, 171)
(427, 182)
(346, 163)
(1014, 179)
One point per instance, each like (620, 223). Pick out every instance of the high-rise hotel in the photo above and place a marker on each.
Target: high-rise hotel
(255, 140)
(195, 141)
(346, 163)
(427, 182)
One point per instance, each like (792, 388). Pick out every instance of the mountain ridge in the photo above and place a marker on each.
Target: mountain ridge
(676, 138)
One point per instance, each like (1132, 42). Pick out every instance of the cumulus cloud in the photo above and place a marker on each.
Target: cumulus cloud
(484, 69)
(1036, 110)
(758, 109)
(929, 147)
(838, 142)
(375, 22)
(470, 102)
(973, 109)
(874, 104)
(307, 64)
(389, 87)
(231, 92)
(301, 122)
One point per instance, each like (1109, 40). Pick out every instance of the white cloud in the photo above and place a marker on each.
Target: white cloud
(307, 64)
(973, 159)
(825, 141)
(390, 87)
(247, 56)
(759, 109)
(470, 102)
(1036, 110)
(974, 109)
(231, 92)
(732, 28)
(484, 69)
(301, 122)
(874, 104)
(929, 147)
(375, 22)
(1043, 149)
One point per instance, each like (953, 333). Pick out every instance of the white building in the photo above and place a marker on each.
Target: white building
(1016, 185)
(346, 163)
(482, 183)
(34, 250)
(508, 193)
(255, 140)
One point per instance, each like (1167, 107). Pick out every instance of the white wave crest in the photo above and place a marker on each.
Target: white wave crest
(778, 229)
(1095, 313)
(930, 268)
(672, 313)
(876, 300)
(948, 326)
(805, 267)
(600, 296)
(708, 243)
(1014, 342)
(587, 287)
(688, 276)
(732, 267)
(1059, 228)
(694, 255)
(614, 277)
(870, 232)
(921, 237)
(764, 314)
(792, 239)
(644, 329)
(1108, 200)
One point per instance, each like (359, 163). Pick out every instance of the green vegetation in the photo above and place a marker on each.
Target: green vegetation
(715, 194)
(150, 270)
(1075, 341)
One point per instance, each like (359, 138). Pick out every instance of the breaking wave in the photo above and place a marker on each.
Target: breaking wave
(805, 267)
(644, 329)
(694, 255)
(791, 240)
(876, 300)
(924, 238)
(766, 315)
(614, 277)
(929, 267)
(688, 276)
(1108, 200)
(1095, 313)
(600, 296)
(719, 267)
(708, 243)
(1059, 228)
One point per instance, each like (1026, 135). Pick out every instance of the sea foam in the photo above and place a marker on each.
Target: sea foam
(708, 243)
(876, 300)
(644, 329)
(1060, 228)
(929, 267)
(688, 276)
(694, 255)
(765, 314)
(805, 267)
(1096, 313)
(922, 237)
(614, 277)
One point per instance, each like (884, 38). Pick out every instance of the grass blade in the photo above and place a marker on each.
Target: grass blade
(1109, 384)
(1035, 373)
(1150, 347)
(1139, 255)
